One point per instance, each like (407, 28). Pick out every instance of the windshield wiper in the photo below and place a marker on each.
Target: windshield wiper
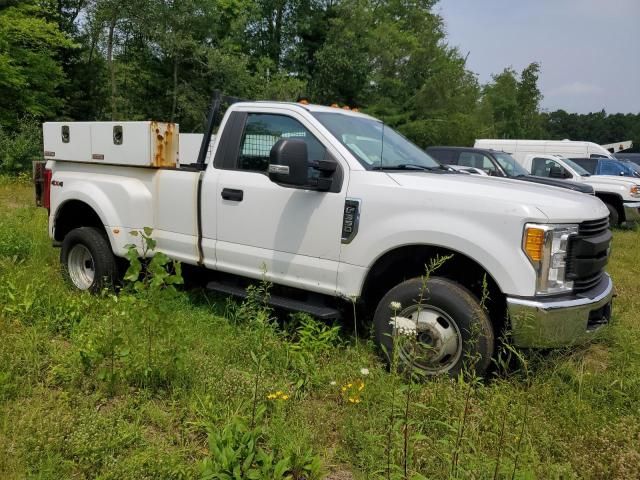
(410, 166)
(402, 166)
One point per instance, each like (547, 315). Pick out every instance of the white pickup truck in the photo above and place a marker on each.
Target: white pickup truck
(552, 159)
(621, 195)
(335, 207)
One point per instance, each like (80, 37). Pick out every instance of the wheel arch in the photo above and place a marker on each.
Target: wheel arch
(614, 200)
(74, 214)
(409, 261)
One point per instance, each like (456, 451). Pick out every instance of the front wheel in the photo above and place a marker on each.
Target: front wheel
(435, 328)
(614, 216)
(87, 260)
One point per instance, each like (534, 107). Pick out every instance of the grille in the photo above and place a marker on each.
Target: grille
(593, 227)
(588, 254)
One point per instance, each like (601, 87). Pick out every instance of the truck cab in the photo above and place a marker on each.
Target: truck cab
(337, 209)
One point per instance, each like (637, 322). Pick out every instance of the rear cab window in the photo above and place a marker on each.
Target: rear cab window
(443, 155)
(262, 131)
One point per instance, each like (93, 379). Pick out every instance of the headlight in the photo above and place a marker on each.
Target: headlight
(635, 191)
(546, 247)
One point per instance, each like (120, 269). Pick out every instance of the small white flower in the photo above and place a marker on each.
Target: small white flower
(333, 383)
(395, 306)
(403, 325)
(364, 371)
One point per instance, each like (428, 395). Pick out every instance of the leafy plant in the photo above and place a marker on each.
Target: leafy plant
(314, 337)
(160, 272)
(236, 453)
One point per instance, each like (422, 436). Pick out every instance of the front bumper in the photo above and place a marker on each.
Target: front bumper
(556, 322)
(632, 212)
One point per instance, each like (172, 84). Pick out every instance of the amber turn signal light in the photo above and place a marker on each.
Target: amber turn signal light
(534, 243)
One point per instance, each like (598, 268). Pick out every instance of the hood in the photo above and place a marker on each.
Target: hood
(612, 180)
(559, 205)
(555, 182)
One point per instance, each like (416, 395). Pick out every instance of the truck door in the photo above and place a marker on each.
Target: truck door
(292, 234)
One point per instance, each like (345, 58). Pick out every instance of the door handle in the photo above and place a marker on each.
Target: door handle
(232, 194)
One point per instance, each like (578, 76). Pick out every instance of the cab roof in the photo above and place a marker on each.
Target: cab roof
(310, 107)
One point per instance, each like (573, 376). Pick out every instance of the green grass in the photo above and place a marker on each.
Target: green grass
(80, 397)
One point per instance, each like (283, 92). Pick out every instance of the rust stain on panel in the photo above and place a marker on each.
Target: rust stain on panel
(165, 141)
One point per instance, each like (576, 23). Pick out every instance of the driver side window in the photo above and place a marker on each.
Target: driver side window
(545, 167)
(262, 131)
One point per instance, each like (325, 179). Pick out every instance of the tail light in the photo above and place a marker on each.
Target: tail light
(46, 189)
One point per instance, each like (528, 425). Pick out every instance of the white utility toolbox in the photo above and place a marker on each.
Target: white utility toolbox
(138, 144)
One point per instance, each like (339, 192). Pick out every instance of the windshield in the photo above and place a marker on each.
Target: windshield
(577, 168)
(631, 169)
(374, 144)
(509, 165)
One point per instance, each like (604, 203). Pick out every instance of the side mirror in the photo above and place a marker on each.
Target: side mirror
(288, 162)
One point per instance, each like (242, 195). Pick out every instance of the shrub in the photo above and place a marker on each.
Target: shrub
(20, 147)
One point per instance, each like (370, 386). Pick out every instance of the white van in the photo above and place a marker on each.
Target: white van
(565, 148)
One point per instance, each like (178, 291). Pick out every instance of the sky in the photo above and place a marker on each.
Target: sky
(589, 50)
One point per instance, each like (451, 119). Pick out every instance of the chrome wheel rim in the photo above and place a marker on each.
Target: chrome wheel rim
(430, 340)
(81, 267)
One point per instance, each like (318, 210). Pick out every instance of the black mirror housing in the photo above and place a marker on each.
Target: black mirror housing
(288, 162)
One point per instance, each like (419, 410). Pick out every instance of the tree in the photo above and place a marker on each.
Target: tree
(529, 98)
(30, 69)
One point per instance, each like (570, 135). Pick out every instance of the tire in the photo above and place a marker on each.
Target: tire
(614, 216)
(454, 326)
(87, 260)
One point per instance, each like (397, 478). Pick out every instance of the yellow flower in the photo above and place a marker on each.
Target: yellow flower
(271, 396)
(285, 397)
(361, 386)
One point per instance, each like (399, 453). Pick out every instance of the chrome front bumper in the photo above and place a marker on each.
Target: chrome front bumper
(632, 212)
(556, 322)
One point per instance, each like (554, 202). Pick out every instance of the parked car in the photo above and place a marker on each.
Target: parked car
(606, 166)
(498, 164)
(334, 207)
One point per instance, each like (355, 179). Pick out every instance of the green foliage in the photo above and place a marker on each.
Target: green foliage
(159, 273)
(314, 337)
(30, 72)
(136, 341)
(15, 244)
(236, 452)
(512, 102)
(19, 147)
